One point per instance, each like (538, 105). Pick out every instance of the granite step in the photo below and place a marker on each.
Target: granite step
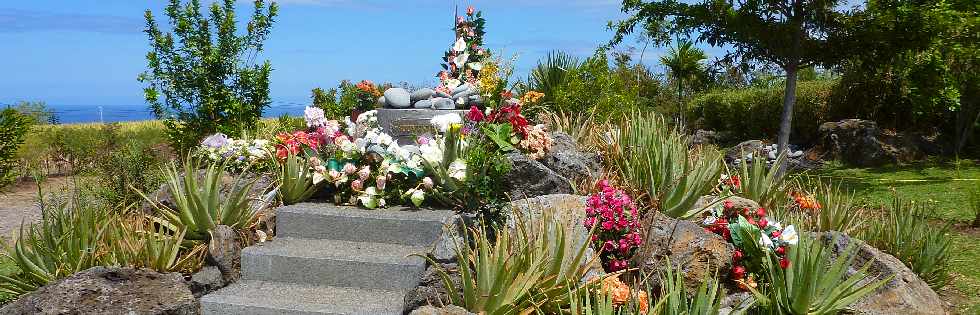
(266, 298)
(397, 225)
(334, 263)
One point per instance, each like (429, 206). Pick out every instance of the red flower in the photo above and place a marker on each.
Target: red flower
(728, 204)
(776, 234)
(735, 182)
(763, 223)
(506, 95)
(738, 272)
(761, 212)
(470, 10)
(781, 250)
(784, 263)
(475, 114)
(737, 255)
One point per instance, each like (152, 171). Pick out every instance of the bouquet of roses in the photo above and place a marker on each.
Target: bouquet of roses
(238, 154)
(616, 223)
(754, 236)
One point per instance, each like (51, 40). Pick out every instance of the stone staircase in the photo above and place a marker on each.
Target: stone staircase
(332, 260)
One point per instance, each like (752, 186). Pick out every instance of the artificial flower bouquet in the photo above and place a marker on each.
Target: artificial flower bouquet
(237, 154)
(755, 237)
(509, 129)
(355, 160)
(462, 62)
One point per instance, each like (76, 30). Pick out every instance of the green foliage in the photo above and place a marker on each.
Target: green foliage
(762, 183)
(295, 181)
(78, 233)
(124, 166)
(684, 63)
(13, 129)
(839, 210)
(593, 302)
(203, 71)
(530, 268)
(904, 232)
(199, 204)
(674, 299)
(752, 113)
(39, 112)
(815, 282)
(351, 98)
(587, 87)
(975, 206)
(653, 158)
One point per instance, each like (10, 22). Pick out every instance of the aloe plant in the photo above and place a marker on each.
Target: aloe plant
(761, 183)
(839, 210)
(525, 269)
(674, 298)
(199, 204)
(904, 232)
(655, 158)
(814, 283)
(295, 181)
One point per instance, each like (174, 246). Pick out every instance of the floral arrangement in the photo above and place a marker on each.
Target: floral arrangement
(754, 236)
(367, 96)
(509, 129)
(462, 61)
(361, 164)
(238, 154)
(729, 183)
(616, 221)
(621, 293)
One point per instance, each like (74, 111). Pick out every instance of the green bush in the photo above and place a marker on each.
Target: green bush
(754, 113)
(13, 128)
(590, 86)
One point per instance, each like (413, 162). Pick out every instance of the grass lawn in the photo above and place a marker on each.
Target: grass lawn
(945, 186)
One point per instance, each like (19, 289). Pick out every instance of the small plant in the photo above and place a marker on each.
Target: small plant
(762, 183)
(904, 231)
(816, 283)
(829, 208)
(755, 236)
(674, 299)
(530, 268)
(612, 214)
(295, 181)
(199, 204)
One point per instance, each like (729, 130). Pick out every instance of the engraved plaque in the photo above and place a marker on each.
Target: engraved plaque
(406, 124)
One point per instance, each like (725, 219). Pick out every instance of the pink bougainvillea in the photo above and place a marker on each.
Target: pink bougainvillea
(616, 222)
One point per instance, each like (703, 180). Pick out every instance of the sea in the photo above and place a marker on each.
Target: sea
(71, 114)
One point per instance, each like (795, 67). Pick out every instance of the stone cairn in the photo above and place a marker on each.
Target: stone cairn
(461, 97)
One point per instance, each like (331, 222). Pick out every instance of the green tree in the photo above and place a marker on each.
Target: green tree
(791, 34)
(684, 63)
(205, 72)
(13, 127)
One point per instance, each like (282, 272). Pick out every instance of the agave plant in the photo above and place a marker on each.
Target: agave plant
(655, 159)
(674, 299)
(295, 181)
(763, 184)
(527, 268)
(199, 204)
(815, 283)
(593, 302)
(138, 242)
(905, 232)
(839, 210)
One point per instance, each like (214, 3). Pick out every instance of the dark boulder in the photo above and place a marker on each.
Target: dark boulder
(225, 252)
(568, 161)
(432, 289)
(861, 143)
(102, 290)
(530, 178)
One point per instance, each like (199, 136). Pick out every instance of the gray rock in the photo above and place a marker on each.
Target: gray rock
(699, 254)
(476, 100)
(530, 178)
(570, 211)
(734, 302)
(568, 161)
(207, 280)
(102, 290)
(737, 202)
(422, 94)
(441, 94)
(461, 88)
(225, 252)
(423, 104)
(744, 149)
(381, 102)
(904, 294)
(444, 250)
(443, 103)
(397, 98)
(704, 137)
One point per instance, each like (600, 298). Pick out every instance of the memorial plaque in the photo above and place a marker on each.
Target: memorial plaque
(406, 124)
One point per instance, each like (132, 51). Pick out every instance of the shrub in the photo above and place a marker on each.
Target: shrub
(199, 204)
(904, 232)
(815, 283)
(654, 159)
(13, 128)
(828, 208)
(360, 97)
(762, 183)
(125, 165)
(754, 113)
(203, 71)
(587, 87)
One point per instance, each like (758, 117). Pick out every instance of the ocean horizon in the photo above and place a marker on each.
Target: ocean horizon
(73, 114)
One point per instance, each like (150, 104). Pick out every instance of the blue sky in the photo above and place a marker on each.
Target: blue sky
(89, 52)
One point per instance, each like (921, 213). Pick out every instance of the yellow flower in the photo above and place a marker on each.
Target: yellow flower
(531, 97)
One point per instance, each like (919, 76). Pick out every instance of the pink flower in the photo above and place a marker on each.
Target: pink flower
(475, 114)
(380, 182)
(364, 173)
(459, 20)
(357, 185)
(349, 168)
(427, 183)
(470, 10)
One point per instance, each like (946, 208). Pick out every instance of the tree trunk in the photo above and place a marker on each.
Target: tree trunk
(786, 120)
(680, 102)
